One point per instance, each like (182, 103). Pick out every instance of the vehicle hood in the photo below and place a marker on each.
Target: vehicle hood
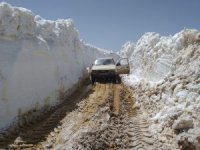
(104, 67)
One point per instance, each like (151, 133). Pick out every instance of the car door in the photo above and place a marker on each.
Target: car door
(122, 66)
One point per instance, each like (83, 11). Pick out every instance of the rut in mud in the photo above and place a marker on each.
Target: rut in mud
(124, 128)
(31, 134)
(106, 118)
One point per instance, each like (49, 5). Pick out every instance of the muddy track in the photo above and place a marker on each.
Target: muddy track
(30, 135)
(108, 113)
(139, 136)
(126, 128)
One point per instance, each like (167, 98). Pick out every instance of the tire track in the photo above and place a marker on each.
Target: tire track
(94, 102)
(109, 134)
(126, 128)
(116, 99)
(139, 136)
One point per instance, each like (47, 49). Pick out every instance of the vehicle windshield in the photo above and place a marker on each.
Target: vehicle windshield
(104, 62)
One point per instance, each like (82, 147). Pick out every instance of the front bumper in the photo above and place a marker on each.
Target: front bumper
(103, 74)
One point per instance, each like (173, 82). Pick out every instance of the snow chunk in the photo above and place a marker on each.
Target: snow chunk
(183, 123)
(190, 139)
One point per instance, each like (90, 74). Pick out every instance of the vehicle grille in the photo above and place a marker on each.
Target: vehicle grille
(103, 71)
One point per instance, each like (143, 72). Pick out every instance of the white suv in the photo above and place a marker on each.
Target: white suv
(105, 69)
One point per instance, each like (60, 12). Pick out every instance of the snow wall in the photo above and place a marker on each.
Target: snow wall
(39, 59)
(155, 56)
(165, 78)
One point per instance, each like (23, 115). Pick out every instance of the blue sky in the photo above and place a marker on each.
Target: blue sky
(109, 24)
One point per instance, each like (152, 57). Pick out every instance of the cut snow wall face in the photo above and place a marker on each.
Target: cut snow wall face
(38, 59)
(153, 56)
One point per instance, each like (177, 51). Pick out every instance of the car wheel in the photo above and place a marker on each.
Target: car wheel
(114, 80)
(93, 80)
(118, 79)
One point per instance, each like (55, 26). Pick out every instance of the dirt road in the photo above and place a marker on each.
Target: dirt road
(100, 117)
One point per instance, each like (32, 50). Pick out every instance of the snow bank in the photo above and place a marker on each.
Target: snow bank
(154, 56)
(165, 78)
(39, 61)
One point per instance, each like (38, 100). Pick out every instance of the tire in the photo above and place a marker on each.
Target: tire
(115, 79)
(93, 80)
(119, 79)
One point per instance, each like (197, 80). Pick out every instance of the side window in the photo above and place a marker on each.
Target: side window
(124, 62)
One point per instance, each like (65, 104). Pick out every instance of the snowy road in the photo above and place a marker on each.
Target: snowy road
(106, 118)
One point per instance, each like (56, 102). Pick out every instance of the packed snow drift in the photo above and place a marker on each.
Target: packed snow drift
(165, 78)
(39, 61)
